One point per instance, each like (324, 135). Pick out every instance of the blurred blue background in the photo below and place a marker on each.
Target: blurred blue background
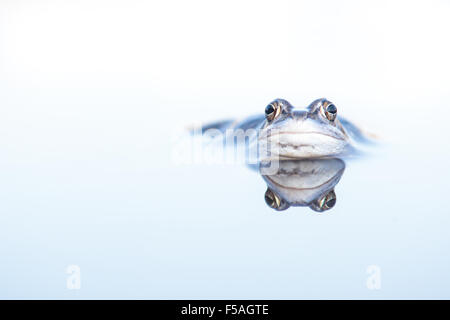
(93, 94)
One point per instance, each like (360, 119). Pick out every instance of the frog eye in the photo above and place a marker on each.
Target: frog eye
(272, 111)
(328, 201)
(274, 201)
(331, 112)
(325, 203)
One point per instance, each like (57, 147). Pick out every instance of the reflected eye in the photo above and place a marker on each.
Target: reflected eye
(325, 203)
(328, 201)
(275, 202)
(272, 111)
(331, 112)
(271, 199)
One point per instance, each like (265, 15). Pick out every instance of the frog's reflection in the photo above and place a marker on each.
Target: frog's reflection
(302, 183)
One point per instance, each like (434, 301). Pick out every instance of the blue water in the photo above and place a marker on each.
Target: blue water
(82, 191)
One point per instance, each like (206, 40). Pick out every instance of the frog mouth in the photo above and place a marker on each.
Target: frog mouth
(337, 175)
(270, 135)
